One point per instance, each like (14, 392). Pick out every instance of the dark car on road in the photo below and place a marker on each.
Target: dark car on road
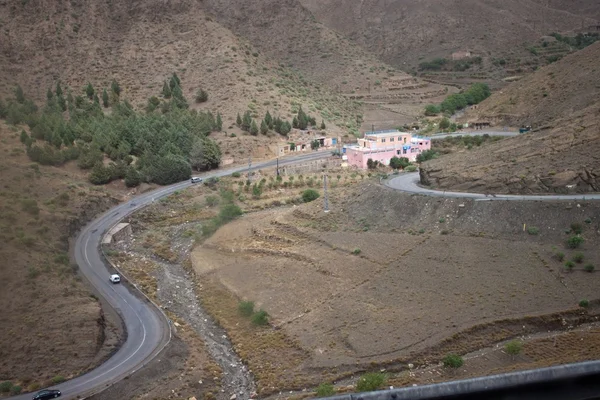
(47, 394)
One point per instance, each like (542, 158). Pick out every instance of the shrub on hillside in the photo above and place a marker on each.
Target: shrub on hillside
(532, 230)
(325, 389)
(574, 242)
(577, 228)
(410, 168)
(246, 308)
(578, 258)
(584, 303)
(370, 381)
(589, 268)
(453, 361)
(260, 318)
(201, 96)
(569, 265)
(5, 386)
(229, 212)
(513, 347)
(310, 195)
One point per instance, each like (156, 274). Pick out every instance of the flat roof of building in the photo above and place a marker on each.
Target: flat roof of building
(387, 132)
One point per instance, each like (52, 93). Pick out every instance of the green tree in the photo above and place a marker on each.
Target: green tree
(219, 123)
(453, 361)
(399, 162)
(49, 95)
(315, 144)
(20, 96)
(105, 98)
(269, 120)
(444, 123)
(96, 99)
(295, 123)
(323, 127)
(431, 110)
(205, 154)
(89, 91)
(132, 177)
(370, 381)
(246, 121)
(303, 119)
(100, 175)
(166, 91)
(58, 90)
(513, 347)
(114, 86)
(253, 128)
(264, 128)
(238, 121)
(201, 96)
(174, 81)
(178, 98)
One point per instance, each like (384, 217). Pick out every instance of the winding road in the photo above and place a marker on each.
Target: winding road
(147, 329)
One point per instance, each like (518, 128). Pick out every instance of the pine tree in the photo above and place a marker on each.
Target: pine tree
(61, 103)
(302, 120)
(105, 98)
(59, 91)
(175, 81)
(114, 86)
(219, 124)
(238, 120)
(166, 91)
(70, 98)
(49, 95)
(246, 121)
(269, 120)
(89, 90)
(19, 94)
(253, 128)
(323, 127)
(264, 128)
(96, 99)
(201, 96)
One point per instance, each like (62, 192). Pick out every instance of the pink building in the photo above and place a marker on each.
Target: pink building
(382, 146)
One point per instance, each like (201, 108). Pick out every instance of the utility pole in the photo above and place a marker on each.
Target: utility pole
(325, 198)
(249, 167)
(277, 166)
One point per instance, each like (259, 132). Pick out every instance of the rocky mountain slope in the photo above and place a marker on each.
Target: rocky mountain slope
(404, 32)
(561, 155)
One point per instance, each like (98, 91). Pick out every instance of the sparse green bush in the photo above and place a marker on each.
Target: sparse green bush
(356, 251)
(325, 389)
(236, 175)
(411, 168)
(370, 381)
(58, 379)
(574, 242)
(453, 361)
(532, 230)
(309, 195)
(212, 200)
(442, 220)
(578, 258)
(5, 386)
(201, 96)
(260, 318)
(30, 206)
(513, 347)
(584, 303)
(589, 268)
(576, 228)
(246, 308)
(560, 256)
(569, 265)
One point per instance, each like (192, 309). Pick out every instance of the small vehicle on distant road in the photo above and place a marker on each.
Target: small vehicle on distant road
(115, 278)
(47, 394)
(196, 179)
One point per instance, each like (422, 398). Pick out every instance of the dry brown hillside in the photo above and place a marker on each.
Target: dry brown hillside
(562, 155)
(403, 33)
(142, 43)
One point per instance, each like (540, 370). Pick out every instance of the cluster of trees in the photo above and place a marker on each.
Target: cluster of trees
(281, 126)
(442, 63)
(457, 101)
(434, 65)
(248, 124)
(578, 41)
(152, 146)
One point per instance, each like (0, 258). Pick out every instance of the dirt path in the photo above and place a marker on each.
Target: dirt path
(176, 293)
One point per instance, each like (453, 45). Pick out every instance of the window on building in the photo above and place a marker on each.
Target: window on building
(391, 139)
(383, 140)
(404, 140)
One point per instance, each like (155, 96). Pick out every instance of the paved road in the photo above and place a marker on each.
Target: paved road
(408, 182)
(475, 133)
(148, 329)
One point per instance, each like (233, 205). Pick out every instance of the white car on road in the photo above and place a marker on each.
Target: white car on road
(115, 278)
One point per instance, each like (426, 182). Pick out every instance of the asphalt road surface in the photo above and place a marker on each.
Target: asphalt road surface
(409, 183)
(147, 328)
